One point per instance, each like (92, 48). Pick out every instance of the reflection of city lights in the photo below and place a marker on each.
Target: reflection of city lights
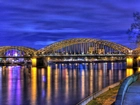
(48, 82)
(83, 83)
(44, 78)
(33, 83)
(9, 67)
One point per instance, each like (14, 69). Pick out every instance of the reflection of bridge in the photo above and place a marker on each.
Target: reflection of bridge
(80, 48)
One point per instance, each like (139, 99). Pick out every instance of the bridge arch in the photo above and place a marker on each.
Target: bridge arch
(27, 51)
(84, 45)
(136, 51)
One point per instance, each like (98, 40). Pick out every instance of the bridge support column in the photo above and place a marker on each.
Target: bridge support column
(34, 62)
(129, 62)
(46, 60)
(129, 71)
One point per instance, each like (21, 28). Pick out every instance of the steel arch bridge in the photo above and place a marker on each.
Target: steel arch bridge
(27, 51)
(84, 45)
(136, 51)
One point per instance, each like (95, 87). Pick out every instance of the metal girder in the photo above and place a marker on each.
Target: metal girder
(26, 50)
(136, 51)
(59, 45)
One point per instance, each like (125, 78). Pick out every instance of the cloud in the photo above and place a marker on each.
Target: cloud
(44, 42)
(32, 29)
(37, 23)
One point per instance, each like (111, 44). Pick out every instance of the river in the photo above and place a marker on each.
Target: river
(57, 84)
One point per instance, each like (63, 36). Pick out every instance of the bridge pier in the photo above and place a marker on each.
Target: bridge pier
(42, 61)
(129, 71)
(133, 61)
(34, 61)
(129, 62)
(45, 61)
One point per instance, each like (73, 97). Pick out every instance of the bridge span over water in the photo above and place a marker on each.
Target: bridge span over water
(72, 49)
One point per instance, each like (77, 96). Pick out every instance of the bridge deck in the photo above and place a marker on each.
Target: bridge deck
(132, 95)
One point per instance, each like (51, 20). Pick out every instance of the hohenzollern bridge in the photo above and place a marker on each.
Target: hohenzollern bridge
(72, 50)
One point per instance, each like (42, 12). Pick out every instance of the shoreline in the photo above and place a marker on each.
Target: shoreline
(106, 98)
(97, 94)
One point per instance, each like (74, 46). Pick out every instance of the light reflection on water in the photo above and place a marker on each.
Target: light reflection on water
(57, 84)
(33, 85)
(49, 83)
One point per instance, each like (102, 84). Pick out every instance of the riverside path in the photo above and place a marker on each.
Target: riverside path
(132, 95)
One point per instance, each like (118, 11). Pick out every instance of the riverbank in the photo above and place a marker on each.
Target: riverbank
(107, 98)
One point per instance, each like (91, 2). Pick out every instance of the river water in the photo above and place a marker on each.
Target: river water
(57, 84)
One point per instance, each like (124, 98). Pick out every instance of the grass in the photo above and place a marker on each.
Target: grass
(103, 97)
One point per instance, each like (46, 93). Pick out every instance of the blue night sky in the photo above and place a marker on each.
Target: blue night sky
(36, 23)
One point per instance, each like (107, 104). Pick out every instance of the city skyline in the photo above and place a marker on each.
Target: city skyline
(37, 24)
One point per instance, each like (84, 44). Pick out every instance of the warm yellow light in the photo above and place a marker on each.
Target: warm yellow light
(42, 72)
(129, 72)
(48, 82)
(83, 83)
(48, 71)
(34, 61)
(138, 69)
(48, 58)
(33, 83)
(100, 79)
(66, 83)
(129, 62)
(56, 80)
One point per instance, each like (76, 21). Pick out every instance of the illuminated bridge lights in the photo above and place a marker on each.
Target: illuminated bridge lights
(84, 46)
(16, 51)
(71, 47)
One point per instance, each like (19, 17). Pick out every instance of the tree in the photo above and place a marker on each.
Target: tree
(134, 30)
